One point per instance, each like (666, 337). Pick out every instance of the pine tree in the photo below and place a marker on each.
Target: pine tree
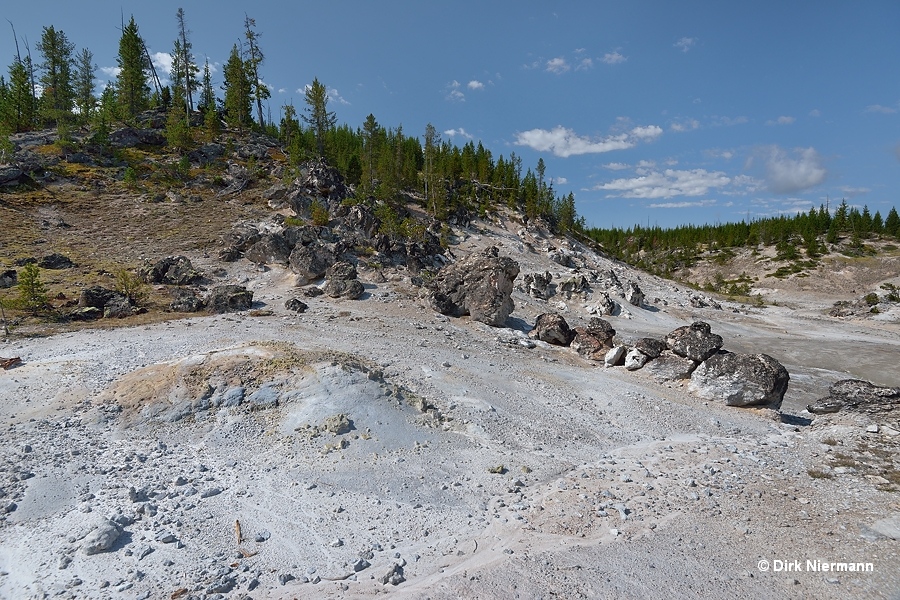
(56, 75)
(254, 60)
(317, 116)
(21, 103)
(432, 144)
(237, 91)
(32, 292)
(187, 68)
(132, 90)
(892, 223)
(85, 69)
(207, 93)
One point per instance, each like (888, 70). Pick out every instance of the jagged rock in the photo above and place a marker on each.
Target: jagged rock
(338, 424)
(857, 395)
(694, 341)
(118, 307)
(553, 329)
(650, 346)
(10, 175)
(241, 237)
(129, 137)
(88, 313)
(341, 270)
(564, 257)
(538, 285)
(393, 576)
(272, 248)
(310, 262)
(9, 278)
(296, 305)
(479, 285)
(350, 289)
(97, 297)
(229, 298)
(635, 359)
(573, 285)
(669, 366)
(172, 270)
(610, 281)
(312, 291)
(185, 300)
(360, 218)
(615, 357)
(633, 294)
(698, 301)
(595, 340)
(741, 380)
(55, 261)
(606, 306)
(302, 235)
(102, 538)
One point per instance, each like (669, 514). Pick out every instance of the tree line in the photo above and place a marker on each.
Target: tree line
(56, 89)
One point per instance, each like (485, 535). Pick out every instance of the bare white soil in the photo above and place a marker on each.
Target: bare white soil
(536, 474)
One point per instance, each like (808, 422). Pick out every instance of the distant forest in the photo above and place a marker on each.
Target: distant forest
(386, 166)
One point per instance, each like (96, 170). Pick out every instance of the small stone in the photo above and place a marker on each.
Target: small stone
(614, 532)
(872, 429)
(360, 565)
(209, 492)
(165, 537)
(283, 578)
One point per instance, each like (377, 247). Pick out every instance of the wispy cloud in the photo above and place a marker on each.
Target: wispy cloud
(475, 85)
(683, 204)
(884, 110)
(792, 172)
(616, 166)
(852, 192)
(685, 43)
(564, 142)
(460, 132)
(783, 120)
(815, 113)
(585, 64)
(336, 97)
(613, 58)
(162, 62)
(729, 121)
(666, 184)
(453, 92)
(558, 65)
(684, 125)
(111, 71)
(558, 180)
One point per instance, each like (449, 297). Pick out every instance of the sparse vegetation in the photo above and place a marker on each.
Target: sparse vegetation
(32, 292)
(130, 285)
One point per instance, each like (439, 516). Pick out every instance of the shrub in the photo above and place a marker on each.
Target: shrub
(319, 213)
(130, 176)
(32, 293)
(131, 286)
(871, 299)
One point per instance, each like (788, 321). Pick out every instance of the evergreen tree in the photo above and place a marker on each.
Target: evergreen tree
(207, 93)
(56, 75)
(892, 223)
(132, 89)
(178, 131)
(85, 69)
(236, 103)
(432, 146)
(186, 67)
(317, 116)
(21, 104)
(878, 223)
(32, 292)
(254, 60)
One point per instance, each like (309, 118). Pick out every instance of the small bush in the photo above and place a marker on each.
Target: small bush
(871, 299)
(32, 293)
(131, 286)
(130, 176)
(319, 214)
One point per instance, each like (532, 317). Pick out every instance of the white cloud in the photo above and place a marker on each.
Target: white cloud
(453, 93)
(685, 43)
(815, 113)
(790, 173)
(564, 142)
(613, 58)
(334, 95)
(729, 121)
(781, 121)
(852, 192)
(616, 166)
(475, 85)
(460, 132)
(111, 71)
(650, 132)
(685, 125)
(558, 180)
(558, 65)
(884, 110)
(162, 61)
(585, 64)
(683, 204)
(666, 184)
(282, 90)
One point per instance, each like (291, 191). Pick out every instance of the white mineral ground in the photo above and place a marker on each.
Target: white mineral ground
(613, 485)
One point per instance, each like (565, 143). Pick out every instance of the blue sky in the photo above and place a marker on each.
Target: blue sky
(659, 112)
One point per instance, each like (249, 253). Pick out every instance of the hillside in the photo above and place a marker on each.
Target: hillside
(368, 444)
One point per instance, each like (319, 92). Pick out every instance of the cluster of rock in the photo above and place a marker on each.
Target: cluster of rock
(598, 287)
(689, 352)
(178, 272)
(96, 301)
(870, 305)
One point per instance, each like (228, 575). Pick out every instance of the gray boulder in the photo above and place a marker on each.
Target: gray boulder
(538, 285)
(694, 341)
(650, 346)
(172, 270)
(668, 366)
(606, 305)
(55, 261)
(857, 395)
(9, 278)
(185, 300)
(118, 307)
(573, 285)
(102, 538)
(351, 289)
(272, 248)
(635, 359)
(229, 298)
(741, 380)
(341, 270)
(553, 329)
(595, 340)
(479, 285)
(296, 305)
(310, 262)
(633, 294)
(98, 297)
(615, 357)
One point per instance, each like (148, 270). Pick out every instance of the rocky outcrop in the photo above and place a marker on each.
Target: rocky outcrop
(55, 261)
(537, 285)
(553, 329)
(296, 305)
(8, 278)
(229, 298)
(172, 270)
(650, 346)
(272, 248)
(185, 300)
(575, 284)
(695, 341)
(595, 340)
(741, 380)
(633, 294)
(479, 285)
(605, 306)
(859, 396)
(351, 289)
(310, 262)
